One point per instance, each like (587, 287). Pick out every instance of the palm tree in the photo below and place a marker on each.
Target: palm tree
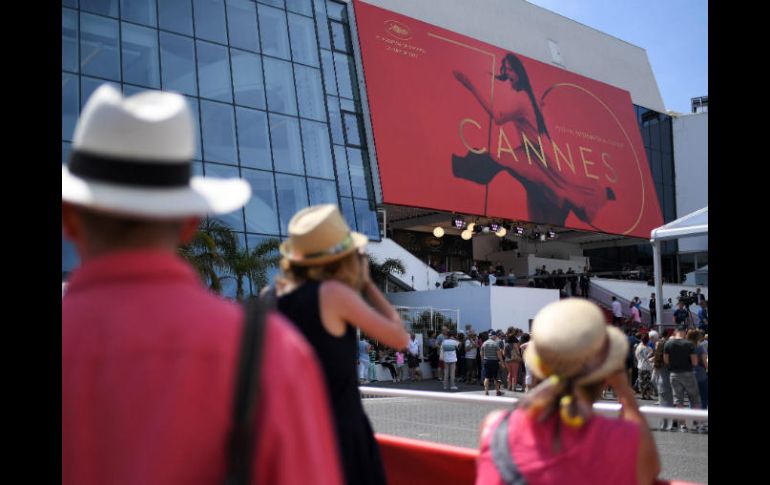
(242, 263)
(215, 253)
(379, 272)
(205, 251)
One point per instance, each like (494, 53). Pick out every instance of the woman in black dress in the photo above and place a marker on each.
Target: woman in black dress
(326, 291)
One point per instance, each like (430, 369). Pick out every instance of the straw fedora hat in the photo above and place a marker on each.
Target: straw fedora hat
(133, 156)
(319, 235)
(570, 339)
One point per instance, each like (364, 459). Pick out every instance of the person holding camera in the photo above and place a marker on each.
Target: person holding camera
(680, 314)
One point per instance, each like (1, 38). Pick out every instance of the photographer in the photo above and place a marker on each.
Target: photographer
(680, 314)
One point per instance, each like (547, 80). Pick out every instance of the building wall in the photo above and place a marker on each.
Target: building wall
(527, 29)
(271, 85)
(515, 307)
(692, 176)
(483, 307)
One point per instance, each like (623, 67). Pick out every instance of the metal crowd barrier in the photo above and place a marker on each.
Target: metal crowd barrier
(429, 440)
(603, 409)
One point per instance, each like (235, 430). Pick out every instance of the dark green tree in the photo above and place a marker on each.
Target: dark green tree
(217, 256)
(379, 272)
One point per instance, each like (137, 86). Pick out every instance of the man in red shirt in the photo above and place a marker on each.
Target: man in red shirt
(149, 356)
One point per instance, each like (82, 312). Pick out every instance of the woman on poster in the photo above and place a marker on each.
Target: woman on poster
(550, 194)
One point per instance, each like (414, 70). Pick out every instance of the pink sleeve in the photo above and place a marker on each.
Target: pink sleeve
(297, 441)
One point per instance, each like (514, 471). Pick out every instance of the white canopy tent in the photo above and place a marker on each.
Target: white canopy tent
(691, 225)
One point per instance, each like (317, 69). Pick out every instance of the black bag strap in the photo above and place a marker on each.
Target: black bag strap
(241, 442)
(501, 454)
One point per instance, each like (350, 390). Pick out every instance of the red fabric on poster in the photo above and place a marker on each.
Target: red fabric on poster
(461, 125)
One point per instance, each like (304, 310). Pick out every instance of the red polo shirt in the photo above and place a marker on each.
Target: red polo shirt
(148, 363)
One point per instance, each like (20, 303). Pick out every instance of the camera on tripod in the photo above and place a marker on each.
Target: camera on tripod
(688, 298)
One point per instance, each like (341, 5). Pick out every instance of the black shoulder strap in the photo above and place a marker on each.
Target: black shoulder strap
(501, 455)
(241, 442)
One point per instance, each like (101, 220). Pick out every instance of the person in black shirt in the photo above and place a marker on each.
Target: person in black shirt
(584, 283)
(572, 277)
(653, 309)
(679, 354)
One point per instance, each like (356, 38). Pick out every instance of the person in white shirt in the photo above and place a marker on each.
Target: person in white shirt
(450, 346)
(617, 312)
(471, 348)
(644, 355)
(413, 358)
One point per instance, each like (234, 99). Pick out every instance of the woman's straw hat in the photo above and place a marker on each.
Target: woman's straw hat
(571, 339)
(319, 235)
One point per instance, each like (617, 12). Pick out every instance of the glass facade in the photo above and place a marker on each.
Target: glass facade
(271, 83)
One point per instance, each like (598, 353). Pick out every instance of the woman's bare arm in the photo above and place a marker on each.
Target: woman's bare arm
(340, 304)
(647, 461)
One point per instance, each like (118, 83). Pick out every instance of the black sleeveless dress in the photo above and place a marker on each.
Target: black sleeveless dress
(359, 452)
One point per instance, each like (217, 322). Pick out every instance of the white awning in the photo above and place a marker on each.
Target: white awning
(693, 224)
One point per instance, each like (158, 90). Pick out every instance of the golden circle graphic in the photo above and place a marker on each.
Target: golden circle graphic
(625, 134)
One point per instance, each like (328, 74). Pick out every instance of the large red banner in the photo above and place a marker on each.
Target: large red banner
(463, 126)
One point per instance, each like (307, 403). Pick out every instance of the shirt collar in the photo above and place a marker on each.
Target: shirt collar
(135, 264)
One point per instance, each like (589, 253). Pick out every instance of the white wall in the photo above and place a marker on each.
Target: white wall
(691, 166)
(418, 275)
(526, 29)
(629, 289)
(483, 307)
(473, 303)
(516, 306)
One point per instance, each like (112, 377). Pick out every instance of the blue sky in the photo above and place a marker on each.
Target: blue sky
(674, 33)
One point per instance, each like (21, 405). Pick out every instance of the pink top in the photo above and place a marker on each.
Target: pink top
(399, 358)
(148, 363)
(604, 451)
(635, 314)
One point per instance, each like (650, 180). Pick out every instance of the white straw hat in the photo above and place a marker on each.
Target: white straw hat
(133, 156)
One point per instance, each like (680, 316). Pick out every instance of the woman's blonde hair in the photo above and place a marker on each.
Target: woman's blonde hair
(694, 336)
(346, 270)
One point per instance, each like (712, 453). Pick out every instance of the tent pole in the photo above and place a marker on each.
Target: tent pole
(657, 270)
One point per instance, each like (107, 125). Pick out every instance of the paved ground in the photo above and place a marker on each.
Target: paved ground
(684, 456)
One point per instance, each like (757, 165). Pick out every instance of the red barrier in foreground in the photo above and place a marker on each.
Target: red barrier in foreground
(409, 461)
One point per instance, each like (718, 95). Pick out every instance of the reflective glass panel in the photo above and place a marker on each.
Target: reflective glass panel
(292, 197)
(247, 79)
(177, 54)
(274, 32)
(281, 97)
(218, 125)
(318, 154)
(210, 20)
(214, 72)
(99, 52)
(287, 147)
(310, 94)
(253, 141)
(304, 48)
(242, 22)
(141, 65)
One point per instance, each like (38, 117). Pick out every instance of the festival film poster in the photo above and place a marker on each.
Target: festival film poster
(463, 126)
